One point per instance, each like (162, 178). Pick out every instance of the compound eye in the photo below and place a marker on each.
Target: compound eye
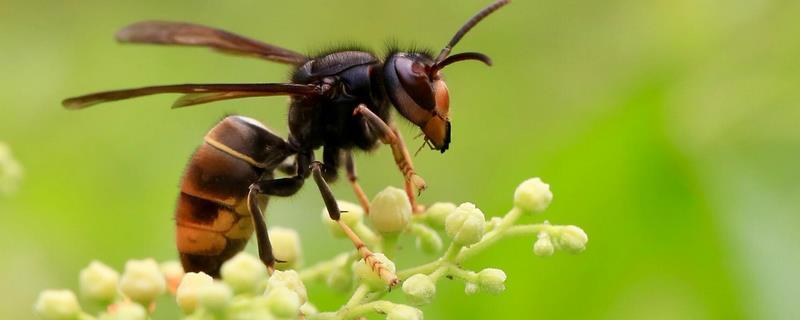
(414, 79)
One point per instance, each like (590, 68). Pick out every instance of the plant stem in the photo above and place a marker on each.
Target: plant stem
(366, 234)
(357, 296)
(492, 237)
(425, 268)
(390, 245)
(380, 306)
(465, 275)
(323, 267)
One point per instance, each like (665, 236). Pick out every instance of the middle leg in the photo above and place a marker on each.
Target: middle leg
(350, 165)
(333, 210)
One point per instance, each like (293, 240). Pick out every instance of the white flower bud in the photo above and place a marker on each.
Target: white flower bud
(286, 246)
(428, 240)
(470, 288)
(466, 224)
(493, 222)
(543, 247)
(367, 276)
(243, 273)
(438, 212)
(308, 309)
(214, 296)
(340, 279)
(572, 239)
(142, 281)
(99, 282)
(173, 273)
(57, 305)
(289, 279)
(127, 311)
(419, 289)
(248, 308)
(10, 170)
(401, 312)
(390, 211)
(492, 280)
(533, 195)
(283, 302)
(351, 214)
(188, 291)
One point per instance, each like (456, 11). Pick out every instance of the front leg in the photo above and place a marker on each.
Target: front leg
(390, 135)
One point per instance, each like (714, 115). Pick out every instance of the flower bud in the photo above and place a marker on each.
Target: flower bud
(98, 282)
(401, 312)
(57, 305)
(188, 291)
(127, 311)
(283, 302)
(214, 296)
(572, 239)
(248, 308)
(470, 288)
(286, 246)
(369, 277)
(10, 170)
(419, 289)
(243, 273)
(351, 214)
(492, 280)
(390, 211)
(465, 225)
(340, 279)
(543, 247)
(493, 223)
(533, 195)
(438, 212)
(428, 240)
(173, 273)
(289, 279)
(308, 309)
(142, 281)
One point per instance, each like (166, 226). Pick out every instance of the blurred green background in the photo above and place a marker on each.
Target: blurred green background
(669, 130)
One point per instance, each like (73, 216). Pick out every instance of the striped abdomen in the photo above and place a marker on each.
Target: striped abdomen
(213, 222)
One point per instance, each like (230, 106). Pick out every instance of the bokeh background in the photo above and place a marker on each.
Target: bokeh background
(669, 130)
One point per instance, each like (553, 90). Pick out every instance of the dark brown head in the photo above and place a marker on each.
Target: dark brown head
(415, 86)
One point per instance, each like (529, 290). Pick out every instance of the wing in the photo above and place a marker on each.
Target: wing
(197, 93)
(181, 33)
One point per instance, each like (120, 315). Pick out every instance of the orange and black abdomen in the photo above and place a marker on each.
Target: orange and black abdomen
(213, 222)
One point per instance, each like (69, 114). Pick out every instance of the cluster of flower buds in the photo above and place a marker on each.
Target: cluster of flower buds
(129, 296)
(244, 292)
(247, 291)
(568, 238)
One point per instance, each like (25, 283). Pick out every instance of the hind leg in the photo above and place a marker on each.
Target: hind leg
(283, 187)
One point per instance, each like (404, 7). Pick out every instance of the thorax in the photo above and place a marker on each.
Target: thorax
(354, 77)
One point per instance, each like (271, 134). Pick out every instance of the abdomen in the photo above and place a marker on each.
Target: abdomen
(213, 222)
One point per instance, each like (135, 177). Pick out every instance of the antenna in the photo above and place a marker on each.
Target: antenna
(467, 26)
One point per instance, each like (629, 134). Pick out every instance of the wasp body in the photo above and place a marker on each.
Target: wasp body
(340, 102)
